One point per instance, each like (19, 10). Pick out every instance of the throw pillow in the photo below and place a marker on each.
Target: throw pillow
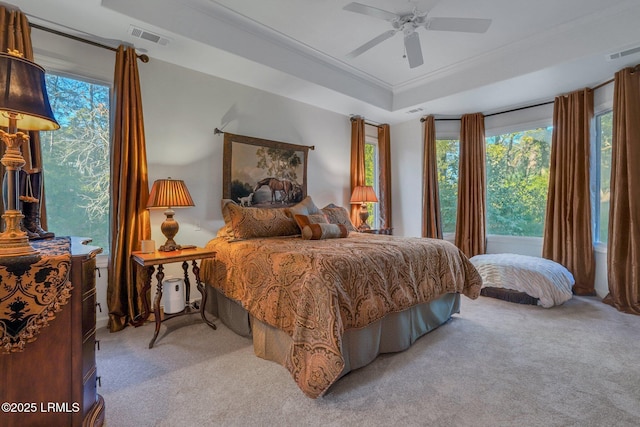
(248, 223)
(303, 220)
(305, 207)
(338, 215)
(324, 231)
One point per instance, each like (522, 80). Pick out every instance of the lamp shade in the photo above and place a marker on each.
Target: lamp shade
(169, 193)
(364, 194)
(24, 94)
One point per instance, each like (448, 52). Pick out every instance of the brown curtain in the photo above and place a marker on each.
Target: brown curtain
(357, 162)
(15, 34)
(470, 221)
(567, 227)
(384, 152)
(129, 219)
(623, 248)
(431, 219)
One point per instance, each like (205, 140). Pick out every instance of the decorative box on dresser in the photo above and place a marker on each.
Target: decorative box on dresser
(52, 382)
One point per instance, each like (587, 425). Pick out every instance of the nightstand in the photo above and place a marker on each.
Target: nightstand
(159, 258)
(388, 231)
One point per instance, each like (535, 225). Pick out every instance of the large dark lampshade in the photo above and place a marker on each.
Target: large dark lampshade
(169, 193)
(24, 104)
(363, 194)
(25, 94)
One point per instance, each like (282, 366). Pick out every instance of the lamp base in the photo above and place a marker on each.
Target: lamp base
(170, 245)
(364, 216)
(169, 228)
(13, 241)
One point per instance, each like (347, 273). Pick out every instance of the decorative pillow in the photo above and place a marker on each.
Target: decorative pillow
(305, 207)
(303, 220)
(338, 215)
(324, 231)
(227, 230)
(260, 222)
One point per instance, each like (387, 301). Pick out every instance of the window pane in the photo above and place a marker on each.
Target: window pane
(76, 160)
(517, 182)
(604, 139)
(371, 178)
(448, 154)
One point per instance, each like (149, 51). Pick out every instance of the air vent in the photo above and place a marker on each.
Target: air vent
(148, 35)
(622, 54)
(415, 110)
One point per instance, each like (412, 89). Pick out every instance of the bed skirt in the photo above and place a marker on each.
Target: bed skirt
(395, 332)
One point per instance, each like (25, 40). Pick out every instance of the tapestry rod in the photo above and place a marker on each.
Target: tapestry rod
(217, 131)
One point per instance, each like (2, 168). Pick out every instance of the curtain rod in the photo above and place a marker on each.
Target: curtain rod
(143, 57)
(218, 131)
(366, 122)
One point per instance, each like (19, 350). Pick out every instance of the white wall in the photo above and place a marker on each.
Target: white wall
(181, 110)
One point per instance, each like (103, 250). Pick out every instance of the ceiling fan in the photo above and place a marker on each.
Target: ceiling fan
(408, 24)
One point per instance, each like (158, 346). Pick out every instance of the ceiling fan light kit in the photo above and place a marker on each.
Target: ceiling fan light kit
(408, 24)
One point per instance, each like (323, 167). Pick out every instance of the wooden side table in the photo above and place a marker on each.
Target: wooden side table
(159, 258)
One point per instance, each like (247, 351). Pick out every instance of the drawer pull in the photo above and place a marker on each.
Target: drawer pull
(97, 344)
(99, 381)
(99, 307)
(98, 270)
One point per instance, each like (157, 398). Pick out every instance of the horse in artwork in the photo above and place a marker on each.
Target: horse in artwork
(283, 186)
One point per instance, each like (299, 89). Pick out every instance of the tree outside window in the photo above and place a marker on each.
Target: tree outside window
(448, 157)
(517, 182)
(76, 160)
(604, 138)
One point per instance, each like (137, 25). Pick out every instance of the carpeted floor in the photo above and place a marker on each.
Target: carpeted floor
(494, 364)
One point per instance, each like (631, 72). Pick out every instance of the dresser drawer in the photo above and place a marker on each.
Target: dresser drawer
(88, 274)
(89, 353)
(88, 313)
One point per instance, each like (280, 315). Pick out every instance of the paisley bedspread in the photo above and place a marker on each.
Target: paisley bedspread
(314, 290)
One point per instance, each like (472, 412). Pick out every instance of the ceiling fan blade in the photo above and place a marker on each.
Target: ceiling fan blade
(371, 43)
(371, 11)
(414, 50)
(465, 25)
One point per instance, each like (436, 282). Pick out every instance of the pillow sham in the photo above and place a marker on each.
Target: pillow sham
(303, 220)
(305, 207)
(248, 223)
(324, 231)
(338, 215)
(227, 230)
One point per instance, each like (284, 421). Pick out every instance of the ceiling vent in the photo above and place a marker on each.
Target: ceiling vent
(148, 35)
(415, 110)
(623, 53)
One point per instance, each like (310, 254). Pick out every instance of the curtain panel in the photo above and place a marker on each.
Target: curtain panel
(15, 34)
(129, 219)
(357, 162)
(384, 150)
(623, 247)
(471, 213)
(567, 227)
(431, 217)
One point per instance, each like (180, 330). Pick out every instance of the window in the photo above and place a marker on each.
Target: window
(603, 139)
(448, 154)
(371, 170)
(76, 159)
(517, 182)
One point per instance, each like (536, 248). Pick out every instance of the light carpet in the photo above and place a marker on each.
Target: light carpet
(494, 364)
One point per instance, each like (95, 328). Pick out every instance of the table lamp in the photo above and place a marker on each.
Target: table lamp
(169, 193)
(24, 104)
(363, 194)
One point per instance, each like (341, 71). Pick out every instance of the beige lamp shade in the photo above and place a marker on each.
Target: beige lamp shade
(363, 194)
(169, 193)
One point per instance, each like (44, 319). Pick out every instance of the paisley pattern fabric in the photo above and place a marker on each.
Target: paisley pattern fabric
(338, 215)
(314, 290)
(32, 289)
(249, 223)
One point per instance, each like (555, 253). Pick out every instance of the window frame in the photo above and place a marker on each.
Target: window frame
(596, 170)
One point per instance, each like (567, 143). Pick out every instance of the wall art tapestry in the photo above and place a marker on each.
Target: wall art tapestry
(263, 173)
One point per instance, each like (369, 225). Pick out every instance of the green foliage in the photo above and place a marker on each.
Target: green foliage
(279, 163)
(517, 166)
(605, 135)
(76, 160)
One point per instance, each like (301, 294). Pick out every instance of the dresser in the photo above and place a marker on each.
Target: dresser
(53, 381)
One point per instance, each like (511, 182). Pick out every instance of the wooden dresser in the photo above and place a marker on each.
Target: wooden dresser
(56, 374)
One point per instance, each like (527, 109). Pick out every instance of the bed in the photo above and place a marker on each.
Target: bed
(524, 279)
(324, 306)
